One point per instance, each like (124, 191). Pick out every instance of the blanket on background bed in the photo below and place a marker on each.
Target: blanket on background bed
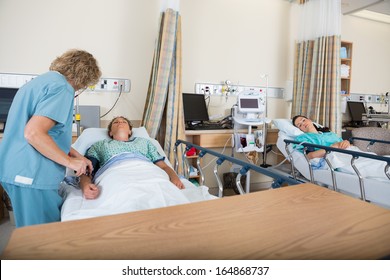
(368, 168)
(130, 184)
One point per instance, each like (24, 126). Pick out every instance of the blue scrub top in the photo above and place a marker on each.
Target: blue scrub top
(49, 95)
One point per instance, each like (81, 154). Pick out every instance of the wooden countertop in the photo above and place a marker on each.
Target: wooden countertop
(296, 222)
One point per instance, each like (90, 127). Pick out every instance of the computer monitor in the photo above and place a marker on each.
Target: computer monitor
(6, 97)
(356, 109)
(195, 109)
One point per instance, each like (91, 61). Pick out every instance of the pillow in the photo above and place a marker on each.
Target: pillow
(286, 126)
(90, 136)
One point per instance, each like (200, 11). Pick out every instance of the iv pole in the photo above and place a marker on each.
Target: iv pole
(264, 164)
(77, 117)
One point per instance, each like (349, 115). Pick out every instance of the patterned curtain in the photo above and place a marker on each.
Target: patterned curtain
(316, 92)
(163, 112)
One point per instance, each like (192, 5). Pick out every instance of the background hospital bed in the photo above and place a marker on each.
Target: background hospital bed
(374, 190)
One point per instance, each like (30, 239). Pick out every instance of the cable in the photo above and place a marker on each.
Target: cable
(116, 101)
(215, 158)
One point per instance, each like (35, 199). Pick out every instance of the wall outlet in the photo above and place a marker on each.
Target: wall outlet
(368, 98)
(222, 89)
(111, 85)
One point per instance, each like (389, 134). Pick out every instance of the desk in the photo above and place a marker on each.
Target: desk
(219, 138)
(381, 118)
(297, 222)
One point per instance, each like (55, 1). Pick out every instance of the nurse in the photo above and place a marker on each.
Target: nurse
(36, 145)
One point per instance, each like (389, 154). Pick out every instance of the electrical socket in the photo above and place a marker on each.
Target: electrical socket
(111, 85)
(220, 89)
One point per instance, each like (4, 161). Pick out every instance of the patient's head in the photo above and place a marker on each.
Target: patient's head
(306, 125)
(120, 128)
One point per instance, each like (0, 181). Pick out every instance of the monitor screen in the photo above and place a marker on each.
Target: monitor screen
(6, 97)
(195, 108)
(250, 103)
(356, 109)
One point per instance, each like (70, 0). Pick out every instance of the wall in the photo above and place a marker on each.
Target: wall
(119, 33)
(237, 41)
(222, 39)
(371, 55)
(371, 58)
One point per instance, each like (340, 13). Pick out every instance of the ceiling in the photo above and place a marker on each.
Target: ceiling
(378, 10)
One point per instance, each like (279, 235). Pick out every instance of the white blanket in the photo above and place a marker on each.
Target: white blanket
(131, 185)
(368, 168)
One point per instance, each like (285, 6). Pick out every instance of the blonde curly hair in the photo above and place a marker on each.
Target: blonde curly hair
(79, 67)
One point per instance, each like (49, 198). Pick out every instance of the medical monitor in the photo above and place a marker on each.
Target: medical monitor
(250, 103)
(356, 109)
(195, 109)
(6, 97)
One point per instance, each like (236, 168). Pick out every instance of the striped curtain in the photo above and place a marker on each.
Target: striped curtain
(163, 113)
(317, 80)
(316, 92)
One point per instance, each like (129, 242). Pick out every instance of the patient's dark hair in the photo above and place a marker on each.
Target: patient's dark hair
(319, 128)
(112, 121)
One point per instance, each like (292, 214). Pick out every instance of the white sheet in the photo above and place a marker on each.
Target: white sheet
(368, 168)
(131, 185)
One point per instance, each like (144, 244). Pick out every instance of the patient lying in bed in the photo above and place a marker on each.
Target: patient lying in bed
(102, 151)
(126, 179)
(368, 168)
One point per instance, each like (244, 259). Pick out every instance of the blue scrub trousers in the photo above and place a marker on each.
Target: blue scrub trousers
(34, 206)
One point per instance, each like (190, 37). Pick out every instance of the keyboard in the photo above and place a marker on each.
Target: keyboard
(382, 116)
(205, 126)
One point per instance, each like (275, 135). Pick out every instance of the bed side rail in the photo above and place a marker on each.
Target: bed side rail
(332, 149)
(354, 156)
(245, 167)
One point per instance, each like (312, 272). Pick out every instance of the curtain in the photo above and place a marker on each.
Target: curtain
(163, 112)
(316, 91)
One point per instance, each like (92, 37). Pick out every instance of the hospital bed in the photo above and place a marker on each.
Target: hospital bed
(127, 186)
(333, 171)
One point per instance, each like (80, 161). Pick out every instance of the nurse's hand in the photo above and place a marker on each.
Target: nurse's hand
(89, 165)
(79, 165)
(75, 154)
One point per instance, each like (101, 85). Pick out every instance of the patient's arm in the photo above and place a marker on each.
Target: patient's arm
(345, 144)
(90, 190)
(171, 173)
